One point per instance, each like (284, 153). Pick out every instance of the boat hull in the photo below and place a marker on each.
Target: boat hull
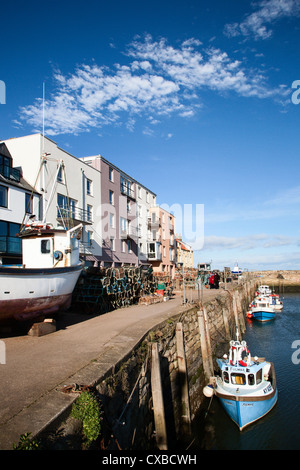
(246, 411)
(263, 315)
(28, 293)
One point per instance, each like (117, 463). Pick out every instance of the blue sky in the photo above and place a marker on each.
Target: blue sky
(195, 99)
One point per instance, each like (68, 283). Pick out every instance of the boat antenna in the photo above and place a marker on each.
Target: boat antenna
(237, 333)
(43, 115)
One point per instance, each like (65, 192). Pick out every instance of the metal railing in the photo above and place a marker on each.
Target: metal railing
(74, 213)
(127, 191)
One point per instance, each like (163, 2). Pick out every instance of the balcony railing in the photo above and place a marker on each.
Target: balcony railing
(10, 245)
(74, 213)
(127, 191)
(13, 174)
(130, 232)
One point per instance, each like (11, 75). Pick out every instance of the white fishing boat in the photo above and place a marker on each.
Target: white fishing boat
(263, 308)
(245, 386)
(45, 281)
(50, 268)
(264, 290)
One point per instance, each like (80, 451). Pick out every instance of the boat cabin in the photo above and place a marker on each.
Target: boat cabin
(50, 248)
(248, 376)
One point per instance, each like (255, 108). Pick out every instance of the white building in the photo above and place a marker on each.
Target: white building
(18, 201)
(69, 187)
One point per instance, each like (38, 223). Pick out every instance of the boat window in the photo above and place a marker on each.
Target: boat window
(226, 377)
(238, 379)
(259, 376)
(45, 246)
(251, 379)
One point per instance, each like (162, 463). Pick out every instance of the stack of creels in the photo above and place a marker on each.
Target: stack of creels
(100, 290)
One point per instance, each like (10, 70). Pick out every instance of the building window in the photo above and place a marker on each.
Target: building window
(111, 197)
(129, 246)
(9, 242)
(124, 225)
(89, 238)
(89, 213)
(123, 246)
(112, 244)
(88, 187)
(111, 174)
(60, 176)
(66, 207)
(3, 196)
(112, 220)
(139, 192)
(28, 203)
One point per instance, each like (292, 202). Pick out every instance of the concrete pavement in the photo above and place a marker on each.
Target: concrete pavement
(82, 350)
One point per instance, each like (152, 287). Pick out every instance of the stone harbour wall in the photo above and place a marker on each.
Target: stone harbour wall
(133, 420)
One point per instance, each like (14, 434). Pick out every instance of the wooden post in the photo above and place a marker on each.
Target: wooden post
(158, 401)
(203, 342)
(182, 369)
(207, 332)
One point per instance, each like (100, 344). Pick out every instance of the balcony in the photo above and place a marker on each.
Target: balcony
(13, 174)
(75, 214)
(130, 232)
(126, 191)
(10, 245)
(154, 222)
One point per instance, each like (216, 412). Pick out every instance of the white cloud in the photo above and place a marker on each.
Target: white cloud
(267, 13)
(158, 81)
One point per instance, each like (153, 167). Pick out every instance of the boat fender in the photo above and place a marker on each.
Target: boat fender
(57, 255)
(208, 391)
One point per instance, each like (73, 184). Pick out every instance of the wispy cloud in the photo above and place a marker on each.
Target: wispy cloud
(257, 23)
(159, 81)
(248, 242)
(285, 203)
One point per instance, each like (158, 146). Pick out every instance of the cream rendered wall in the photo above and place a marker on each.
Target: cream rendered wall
(26, 152)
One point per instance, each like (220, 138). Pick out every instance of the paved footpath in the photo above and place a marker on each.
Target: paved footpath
(81, 350)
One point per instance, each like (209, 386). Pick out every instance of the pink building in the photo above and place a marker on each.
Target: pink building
(123, 215)
(161, 252)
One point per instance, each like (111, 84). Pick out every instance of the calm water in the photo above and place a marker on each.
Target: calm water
(280, 429)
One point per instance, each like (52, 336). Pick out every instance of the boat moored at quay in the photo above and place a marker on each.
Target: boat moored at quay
(245, 386)
(265, 305)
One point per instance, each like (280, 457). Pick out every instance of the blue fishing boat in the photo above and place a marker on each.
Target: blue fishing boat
(245, 386)
(264, 308)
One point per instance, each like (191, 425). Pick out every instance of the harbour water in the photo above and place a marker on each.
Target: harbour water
(279, 342)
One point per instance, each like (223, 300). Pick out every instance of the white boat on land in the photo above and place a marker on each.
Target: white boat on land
(245, 386)
(45, 281)
(50, 268)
